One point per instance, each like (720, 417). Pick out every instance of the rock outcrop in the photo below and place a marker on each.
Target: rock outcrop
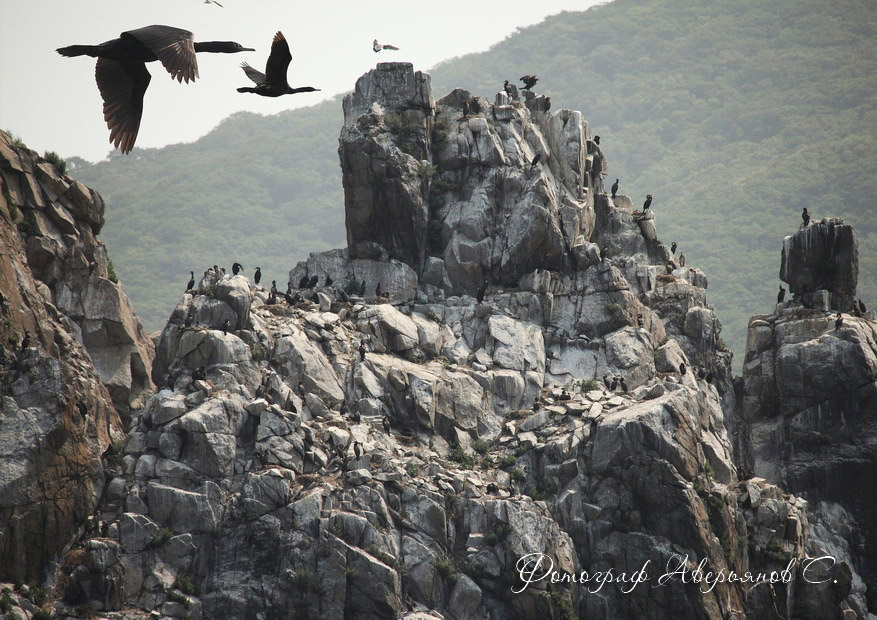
(809, 393)
(73, 357)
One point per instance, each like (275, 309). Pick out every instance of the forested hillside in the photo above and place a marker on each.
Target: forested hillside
(733, 115)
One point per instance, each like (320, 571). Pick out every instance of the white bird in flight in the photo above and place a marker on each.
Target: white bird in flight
(377, 47)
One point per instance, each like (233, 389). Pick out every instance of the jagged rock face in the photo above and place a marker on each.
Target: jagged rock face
(823, 256)
(808, 403)
(56, 415)
(58, 220)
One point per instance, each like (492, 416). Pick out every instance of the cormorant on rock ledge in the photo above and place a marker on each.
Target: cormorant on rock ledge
(122, 77)
(235, 268)
(479, 294)
(781, 295)
(615, 188)
(191, 283)
(838, 322)
(648, 202)
(529, 81)
(805, 215)
(673, 247)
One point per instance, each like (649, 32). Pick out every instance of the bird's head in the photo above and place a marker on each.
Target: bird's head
(648, 195)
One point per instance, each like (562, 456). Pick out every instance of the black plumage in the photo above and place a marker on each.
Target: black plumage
(386, 422)
(122, 77)
(639, 320)
(313, 281)
(475, 106)
(529, 81)
(597, 140)
(357, 449)
(479, 294)
(362, 351)
(862, 307)
(274, 287)
(465, 108)
(236, 268)
(362, 289)
(378, 289)
(614, 384)
(805, 215)
(273, 82)
(682, 368)
(225, 327)
(781, 295)
(328, 280)
(25, 342)
(257, 277)
(191, 283)
(838, 322)
(673, 247)
(682, 260)
(606, 382)
(303, 283)
(623, 384)
(648, 202)
(535, 160)
(507, 88)
(615, 188)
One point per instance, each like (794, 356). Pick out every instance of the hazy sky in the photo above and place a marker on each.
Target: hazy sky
(53, 103)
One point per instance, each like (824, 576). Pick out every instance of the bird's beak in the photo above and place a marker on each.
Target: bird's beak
(247, 49)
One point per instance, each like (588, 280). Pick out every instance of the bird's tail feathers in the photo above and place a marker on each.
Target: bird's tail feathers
(77, 50)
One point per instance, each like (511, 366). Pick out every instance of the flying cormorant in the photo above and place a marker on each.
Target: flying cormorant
(313, 281)
(303, 283)
(479, 294)
(377, 47)
(273, 82)
(805, 215)
(673, 247)
(615, 188)
(781, 295)
(213, 2)
(257, 277)
(607, 382)
(191, 283)
(529, 81)
(838, 322)
(536, 160)
(235, 268)
(122, 77)
(681, 368)
(648, 202)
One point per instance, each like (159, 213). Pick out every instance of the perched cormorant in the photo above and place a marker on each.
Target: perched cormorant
(639, 320)
(862, 308)
(343, 410)
(328, 280)
(362, 289)
(701, 373)
(529, 81)
(303, 283)
(199, 374)
(614, 384)
(357, 449)
(272, 298)
(475, 106)
(235, 268)
(25, 342)
(838, 322)
(682, 259)
(781, 295)
(535, 160)
(378, 289)
(80, 406)
(274, 287)
(547, 103)
(535, 404)
(313, 281)
(564, 395)
(607, 382)
(273, 82)
(673, 247)
(805, 215)
(122, 77)
(377, 47)
(225, 327)
(465, 109)
(623, 384)
(709, 377)
(648, 202)
(386, 422)
(507, 88)
(597, 140)
(257, 277)
(191, 283)
(604, 253)
(681, 368)
(479, 294)
(615, 188)
(362, 351)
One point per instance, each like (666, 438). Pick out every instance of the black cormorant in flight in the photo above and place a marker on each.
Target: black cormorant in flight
(377, 47)
(805, 215)
(615, 188)
(273, 82)
(257, 277)
(781, 295)
(648, 202)
(479, 294)
(122, 77)
(191, 283)
(529, 81)
(235, 268)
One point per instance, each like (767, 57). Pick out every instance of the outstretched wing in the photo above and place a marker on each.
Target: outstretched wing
(174, 48)
(278, 60)
(256, 76)
(122, 87)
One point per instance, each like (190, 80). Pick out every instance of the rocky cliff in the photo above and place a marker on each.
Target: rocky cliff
(73, 361)
(505, 363)
(809, 390)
